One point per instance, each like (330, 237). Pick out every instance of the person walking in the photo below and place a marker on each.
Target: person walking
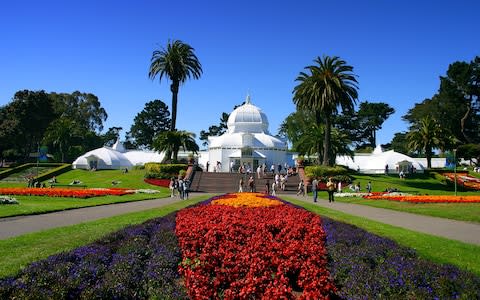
(315, 189)
(180, 187)
(331, 189)
(251, 184)
(240, 185)
(300, 188)
(369, 187)
(274, 189)
(267, 187)
(172, 187)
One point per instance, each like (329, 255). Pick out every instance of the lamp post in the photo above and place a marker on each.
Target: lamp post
(455, 169)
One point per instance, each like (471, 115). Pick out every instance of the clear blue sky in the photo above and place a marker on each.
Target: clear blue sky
(398, 50)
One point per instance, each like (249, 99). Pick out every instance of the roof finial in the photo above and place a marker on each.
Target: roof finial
(247, 100)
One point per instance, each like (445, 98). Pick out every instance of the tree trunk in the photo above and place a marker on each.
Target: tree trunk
(326, 142)
(464, 119)
(428, 154)
(174, 88)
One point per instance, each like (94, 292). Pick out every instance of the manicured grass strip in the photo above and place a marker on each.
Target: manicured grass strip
(437, 249)
(19, 251)
(469, 212)
(33, 205)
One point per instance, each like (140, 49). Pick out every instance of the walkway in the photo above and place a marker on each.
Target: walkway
(450, 229)
(14, 226)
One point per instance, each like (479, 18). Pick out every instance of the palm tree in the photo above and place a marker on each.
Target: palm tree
(322, 89)
(425, 136)
(172, 141)
(178, 63)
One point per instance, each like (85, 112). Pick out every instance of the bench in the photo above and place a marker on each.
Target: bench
(68, 185)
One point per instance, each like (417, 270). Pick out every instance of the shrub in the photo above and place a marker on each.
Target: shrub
(163, 171)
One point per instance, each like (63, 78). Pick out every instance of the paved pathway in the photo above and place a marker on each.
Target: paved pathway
(455, 230)
(14, 226)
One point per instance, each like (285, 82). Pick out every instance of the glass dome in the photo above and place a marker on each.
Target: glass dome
(247, 118)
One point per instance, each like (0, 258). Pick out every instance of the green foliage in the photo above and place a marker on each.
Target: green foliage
(178, 63)
(338, 173)
(321, 89)
(173, 141)
(164, 171)
(215, 130)
(469, 152)
(152, 120)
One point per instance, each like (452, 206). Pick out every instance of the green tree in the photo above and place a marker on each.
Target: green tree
(173, 141)
(424, 137)
(152, 120)
(370, 118)
(399, 144)
(469, 152)
(111, 136)
(178, 63)
(62, 134)
(323, 88)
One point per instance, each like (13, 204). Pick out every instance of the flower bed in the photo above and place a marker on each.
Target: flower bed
(252, 250)
(138, 262)
(59, 192)
(464, 180)
(426, 198)
(366, 266)
(142, 262)
(157, 181)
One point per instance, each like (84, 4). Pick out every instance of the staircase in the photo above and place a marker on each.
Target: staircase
(220, 182)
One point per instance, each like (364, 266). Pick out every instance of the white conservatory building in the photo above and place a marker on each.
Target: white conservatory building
(247, 141)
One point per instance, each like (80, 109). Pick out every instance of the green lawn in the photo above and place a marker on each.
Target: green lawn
(419, 184)
(42, 204)
(434, 248)
(19, 251)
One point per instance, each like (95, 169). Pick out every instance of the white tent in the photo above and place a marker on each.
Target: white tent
(378, 161)
(102, 158)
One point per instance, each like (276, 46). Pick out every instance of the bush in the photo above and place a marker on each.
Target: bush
(338, 173)
(163, 171)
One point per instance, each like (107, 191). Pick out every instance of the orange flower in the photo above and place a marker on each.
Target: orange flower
(246, 199)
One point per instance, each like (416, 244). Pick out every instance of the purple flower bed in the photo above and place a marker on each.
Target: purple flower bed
(138, 262)
(366, 266)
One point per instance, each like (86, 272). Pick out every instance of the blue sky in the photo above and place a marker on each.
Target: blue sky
(398, 50)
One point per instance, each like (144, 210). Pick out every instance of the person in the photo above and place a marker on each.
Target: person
(339, 186)
(259, 172)
(208, 164)
(401, 175)
(171, 186)
(267, 187)
(369, 187)
(357, 187)
(331, 189)
(251, 184)
(282, 182)
(272, 169)
(274, 189)
(300, 188)
(240, 185)
(186, 187)
(180, 187)
(315, 189)
(386, 169)
(231, 166)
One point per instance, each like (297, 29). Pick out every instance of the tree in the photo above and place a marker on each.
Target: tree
(370, 118)
(424, 137)
(322, 89)
(178, 63)
(61, 134)
(399, 144)
(172, 141)
(152, 120)
(215, 130)
(470, 152)
(111, 136)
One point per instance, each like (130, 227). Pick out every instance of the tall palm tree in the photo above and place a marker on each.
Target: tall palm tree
(178, 63)
(425, 136)
(322, 89)
(172, 141)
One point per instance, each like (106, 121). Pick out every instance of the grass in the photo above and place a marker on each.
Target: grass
(28, 248)
(418, 184)
(30, 205)
(437, 249)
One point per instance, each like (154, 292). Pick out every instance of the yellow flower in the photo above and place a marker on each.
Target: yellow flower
(246, 199)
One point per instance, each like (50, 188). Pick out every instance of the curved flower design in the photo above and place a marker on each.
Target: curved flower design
(67, 192)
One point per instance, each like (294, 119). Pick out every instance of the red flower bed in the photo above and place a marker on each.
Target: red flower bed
(464, 180)
(427, 198)
(158, 182)
(253, 253)
(59, 192)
